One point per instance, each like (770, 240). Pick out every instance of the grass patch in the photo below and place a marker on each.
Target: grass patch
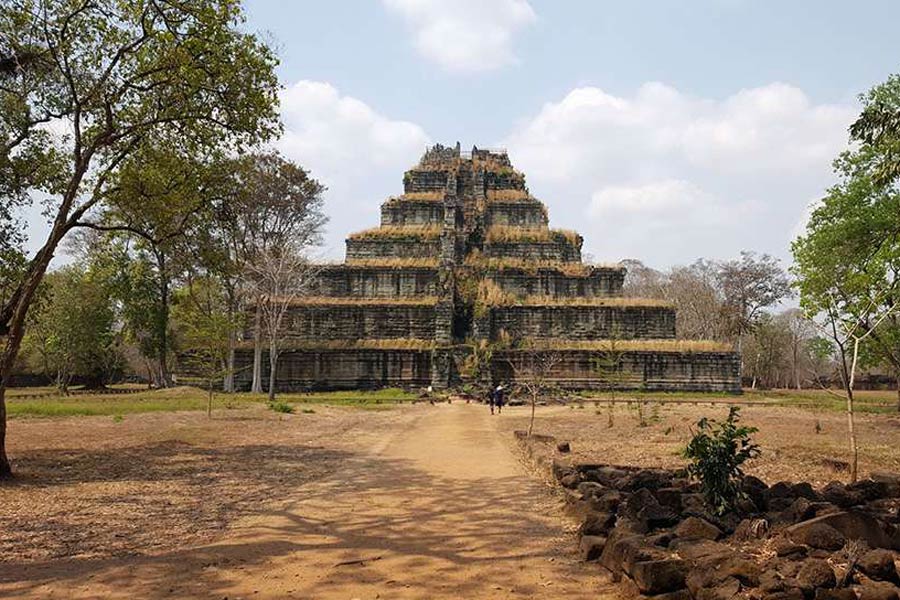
(866, 402)
(191, 399)
(354, 398)
(175, 399)
(280, 406)
(398, 232)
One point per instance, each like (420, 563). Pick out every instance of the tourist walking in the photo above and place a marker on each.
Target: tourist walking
(498, 399)
(491, 398)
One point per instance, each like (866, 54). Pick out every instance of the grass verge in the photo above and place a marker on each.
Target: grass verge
(189, 398)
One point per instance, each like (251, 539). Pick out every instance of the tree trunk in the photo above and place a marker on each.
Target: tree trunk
(209, 400)
(162, 324)
(5, 468)
(15, 328)
(228, 383)
(898, 392)
(273, 366)
(850, 379)
(531, 422)
(256, 386)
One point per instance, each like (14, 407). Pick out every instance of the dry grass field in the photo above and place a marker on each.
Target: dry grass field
(145, 484)
(803, 437)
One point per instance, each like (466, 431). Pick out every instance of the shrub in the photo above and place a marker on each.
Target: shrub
(281, 407)
(716, 451)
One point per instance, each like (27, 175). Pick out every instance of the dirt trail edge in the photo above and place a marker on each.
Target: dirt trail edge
(441, 508)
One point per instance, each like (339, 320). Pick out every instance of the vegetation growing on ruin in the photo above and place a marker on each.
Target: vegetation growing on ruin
(399, 232)
(348, 301)
(640, 345)
(391, 262)
(495, 195)
(491, 294)
(367, 344)
(569, 269)
(433, 196)
(594, 301)
(504, 234)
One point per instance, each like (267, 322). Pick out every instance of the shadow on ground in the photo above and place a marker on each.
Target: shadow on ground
(416, 533)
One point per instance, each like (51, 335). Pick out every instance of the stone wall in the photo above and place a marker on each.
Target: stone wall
(300, 370)
(559, 250)
(324, 322)
(645, 370)
(392, 248)
(377, 282)
(598, 282)
(424, 181)
(412, 212)
(506, 179)
(516, 213)
(582, 322)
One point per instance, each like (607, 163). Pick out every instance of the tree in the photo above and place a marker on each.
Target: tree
(609, 367)
(800, 333)
(749, 285)
(766, 352)
(532, 368)
(848, 337)
(114, 77)
(73, 329)
(878, 127)
(848, 259)
(279, 277)
(269, 206)
(158, 199)
(205, 326)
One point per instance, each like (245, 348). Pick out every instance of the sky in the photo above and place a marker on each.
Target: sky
(661, 130)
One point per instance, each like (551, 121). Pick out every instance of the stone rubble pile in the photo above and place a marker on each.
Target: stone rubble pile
(651, 528)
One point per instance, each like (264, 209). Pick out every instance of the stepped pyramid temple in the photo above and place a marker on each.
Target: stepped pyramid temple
(465, 282)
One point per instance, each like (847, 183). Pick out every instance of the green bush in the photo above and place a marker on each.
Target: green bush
(717, 451)
(281, 407)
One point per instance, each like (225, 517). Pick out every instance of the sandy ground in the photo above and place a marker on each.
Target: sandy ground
(415, 502)
(792, 449)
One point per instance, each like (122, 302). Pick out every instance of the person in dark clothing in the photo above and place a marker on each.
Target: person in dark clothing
(491, 399)
(498, 398)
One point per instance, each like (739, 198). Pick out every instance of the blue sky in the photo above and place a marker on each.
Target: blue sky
(661, 130)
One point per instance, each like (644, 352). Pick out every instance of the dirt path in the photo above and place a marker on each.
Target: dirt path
(441, 508)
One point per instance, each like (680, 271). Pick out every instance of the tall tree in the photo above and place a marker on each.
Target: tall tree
(73, 329)
(159, 198)
(848, 260)
(878, 127)
(204, 326)
(270, 207)
(749, 285)
(109, 76)
(278, 278)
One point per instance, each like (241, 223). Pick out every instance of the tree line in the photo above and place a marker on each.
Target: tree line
(140, 129)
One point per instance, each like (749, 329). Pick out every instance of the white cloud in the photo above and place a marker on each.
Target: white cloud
(355, 151)
(667, 177)
(465, 35)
